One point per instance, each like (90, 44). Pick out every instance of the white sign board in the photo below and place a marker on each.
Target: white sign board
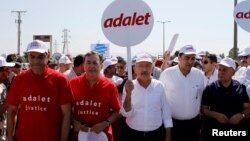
(127, 22)
(242, 15)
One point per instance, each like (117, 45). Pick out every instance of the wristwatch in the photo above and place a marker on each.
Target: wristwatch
(108, 122)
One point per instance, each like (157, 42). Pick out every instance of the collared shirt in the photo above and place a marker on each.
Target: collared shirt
(183, 92)
(212, 78)
(149, 107)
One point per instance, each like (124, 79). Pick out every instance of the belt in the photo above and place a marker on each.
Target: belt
(146, 133)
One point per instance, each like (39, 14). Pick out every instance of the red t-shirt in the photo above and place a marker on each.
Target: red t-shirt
(93, 104)
(40, 99)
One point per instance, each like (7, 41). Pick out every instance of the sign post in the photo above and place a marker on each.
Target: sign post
(127, 23)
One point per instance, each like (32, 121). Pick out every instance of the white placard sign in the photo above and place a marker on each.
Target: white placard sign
(242, 15)
(127, 22)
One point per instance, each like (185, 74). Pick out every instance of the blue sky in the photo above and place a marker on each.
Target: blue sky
(207, 25)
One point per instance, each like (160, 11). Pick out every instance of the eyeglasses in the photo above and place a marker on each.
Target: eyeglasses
(205, 62)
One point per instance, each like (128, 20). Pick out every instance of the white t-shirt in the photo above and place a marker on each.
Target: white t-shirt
(149, 107)
(184, 93)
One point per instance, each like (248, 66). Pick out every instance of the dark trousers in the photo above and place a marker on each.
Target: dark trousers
(134, 135)
(189, 130)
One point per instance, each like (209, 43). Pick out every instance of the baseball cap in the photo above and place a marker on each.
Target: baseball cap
(64, 60)
(108, 62)
(245, 52)
(3, 63)
(15, 59)
(144, 57)
(37, 46)
(228, 62)
(92, 136)
(159, 61)
(187, 49)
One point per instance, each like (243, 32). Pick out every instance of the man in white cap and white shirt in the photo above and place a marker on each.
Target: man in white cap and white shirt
(225, 104)
(145, 105)
(184, 85)
(4, 85)
(243, 74)
(109, 70)
(64, 64)
(41, 97)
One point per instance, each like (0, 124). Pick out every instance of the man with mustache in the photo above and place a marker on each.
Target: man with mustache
(145, 105)
(96, 105)
(39, 100)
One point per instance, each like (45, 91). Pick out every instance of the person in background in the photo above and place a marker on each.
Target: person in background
(39, 100)
(64, 64)
(145, 105)
(96, 104)
(183, 86)
(243, 74)
(109, 71)
(77, 68)
(197, 65)
(225, 104)
(52, 64)
(70, 58)
(121, 67)
(159, 62)
(18, 63)
(4, 85)
(156, 70)
(209, 63)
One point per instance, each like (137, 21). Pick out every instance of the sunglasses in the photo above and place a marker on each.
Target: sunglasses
(205, 62)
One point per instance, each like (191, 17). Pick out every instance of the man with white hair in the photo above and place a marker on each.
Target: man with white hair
(145, 105)
(41, 97)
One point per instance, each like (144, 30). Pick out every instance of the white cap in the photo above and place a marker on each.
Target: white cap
(37, 46)
(108, 62)
(202, 53)
(187, 49)
(228, 62)
(3, 63)
(64, 60)
(144, 57)
(245, 52)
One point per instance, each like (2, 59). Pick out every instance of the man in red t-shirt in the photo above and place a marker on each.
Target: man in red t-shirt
(41, 99)
(96, 104)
